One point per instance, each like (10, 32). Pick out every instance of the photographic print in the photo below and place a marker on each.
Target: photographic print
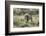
(24, 17)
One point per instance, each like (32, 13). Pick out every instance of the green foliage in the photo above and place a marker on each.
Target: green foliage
(22, 11)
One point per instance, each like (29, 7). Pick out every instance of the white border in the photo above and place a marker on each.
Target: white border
(25, 29)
